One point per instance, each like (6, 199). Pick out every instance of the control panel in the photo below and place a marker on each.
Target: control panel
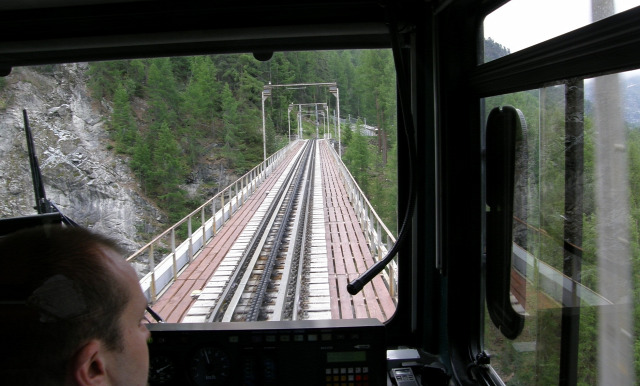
(321, 352)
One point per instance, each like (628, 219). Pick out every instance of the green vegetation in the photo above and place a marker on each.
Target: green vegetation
(494, 50)
(170, 115)
(377, 179)
(373, 160)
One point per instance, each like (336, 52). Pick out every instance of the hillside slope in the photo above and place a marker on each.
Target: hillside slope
(82, 177)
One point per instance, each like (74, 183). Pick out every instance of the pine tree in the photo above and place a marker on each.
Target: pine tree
(376, 82)
(169, 167)
(123, 124)
(141, 162)
(357, 158)
(162, 93)
(202, 96)
(229, 118)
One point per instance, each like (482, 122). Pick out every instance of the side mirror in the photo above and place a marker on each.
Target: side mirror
(505, 146)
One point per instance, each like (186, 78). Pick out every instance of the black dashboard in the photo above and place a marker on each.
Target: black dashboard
(323, 352)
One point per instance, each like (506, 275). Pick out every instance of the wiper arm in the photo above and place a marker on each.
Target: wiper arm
(404, 98)
(43, 205)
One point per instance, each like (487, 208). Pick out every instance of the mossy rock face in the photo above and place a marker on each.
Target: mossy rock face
(81, 176)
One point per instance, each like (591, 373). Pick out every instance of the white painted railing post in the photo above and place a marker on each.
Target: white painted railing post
(223, 207)
(152, 269)
(242, 186)
(236, 197)
(173, 253)
(214, 226)
(252, 181)
(379, 241)
(204, 233)
(392, 280)
(190, 251)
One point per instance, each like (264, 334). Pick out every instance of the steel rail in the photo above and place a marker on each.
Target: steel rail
(283, 309)
(303, 235)
(227, 297)
(258, 299)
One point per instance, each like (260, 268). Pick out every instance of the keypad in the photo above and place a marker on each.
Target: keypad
(347, 376)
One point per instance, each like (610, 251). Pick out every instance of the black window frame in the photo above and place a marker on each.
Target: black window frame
(143, 29)
(608, 46)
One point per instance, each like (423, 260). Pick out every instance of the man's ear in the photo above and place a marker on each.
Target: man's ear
(88, 366)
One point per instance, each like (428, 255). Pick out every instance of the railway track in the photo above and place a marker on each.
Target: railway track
(266, 275)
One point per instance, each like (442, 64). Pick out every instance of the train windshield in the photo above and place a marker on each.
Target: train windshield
(245, 187)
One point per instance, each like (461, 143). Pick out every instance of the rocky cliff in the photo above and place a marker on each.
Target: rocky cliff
(87, 181)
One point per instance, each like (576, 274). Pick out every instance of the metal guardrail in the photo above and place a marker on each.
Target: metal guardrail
(222, 206)
(552, 282)
(378, 236)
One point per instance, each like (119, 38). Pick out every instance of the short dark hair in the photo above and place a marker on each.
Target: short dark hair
(57, 292)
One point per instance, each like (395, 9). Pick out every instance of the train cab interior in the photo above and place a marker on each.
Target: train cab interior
(517, 246)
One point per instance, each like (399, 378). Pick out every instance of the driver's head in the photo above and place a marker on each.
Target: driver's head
(71, 310)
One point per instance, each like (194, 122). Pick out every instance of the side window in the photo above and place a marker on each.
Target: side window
(520, 24)
(575, 273)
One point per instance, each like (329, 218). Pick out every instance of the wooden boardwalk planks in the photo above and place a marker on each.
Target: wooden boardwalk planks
(347, 254)
(175, 302)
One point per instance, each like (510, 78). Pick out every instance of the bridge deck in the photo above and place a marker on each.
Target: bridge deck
(347, 253)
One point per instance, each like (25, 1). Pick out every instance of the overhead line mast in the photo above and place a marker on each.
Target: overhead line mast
(266, 92)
